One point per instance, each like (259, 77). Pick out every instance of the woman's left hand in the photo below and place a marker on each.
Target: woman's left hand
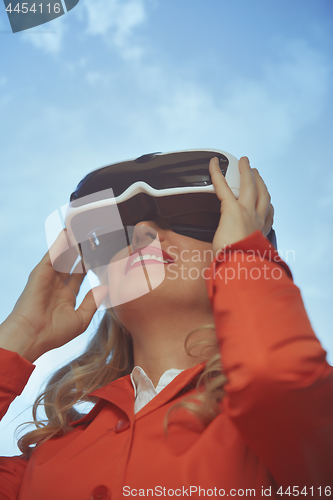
(252, 211)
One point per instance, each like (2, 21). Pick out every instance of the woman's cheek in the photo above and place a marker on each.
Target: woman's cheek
(172, 272)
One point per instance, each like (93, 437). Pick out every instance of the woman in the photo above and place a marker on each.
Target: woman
(178, 426)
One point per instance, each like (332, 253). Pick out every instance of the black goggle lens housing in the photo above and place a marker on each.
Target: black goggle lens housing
(192, 215)
(195, 215)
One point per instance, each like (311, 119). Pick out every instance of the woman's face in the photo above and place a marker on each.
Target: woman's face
(161, 269)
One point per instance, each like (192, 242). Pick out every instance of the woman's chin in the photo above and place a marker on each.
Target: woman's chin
(135, 283)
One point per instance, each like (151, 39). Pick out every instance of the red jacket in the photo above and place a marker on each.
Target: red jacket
(275, 428)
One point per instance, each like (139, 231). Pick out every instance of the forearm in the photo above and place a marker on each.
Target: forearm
(14, 374)
(260, 314)
(279, 388)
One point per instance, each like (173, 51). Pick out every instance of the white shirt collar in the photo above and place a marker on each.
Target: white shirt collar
(144, 390)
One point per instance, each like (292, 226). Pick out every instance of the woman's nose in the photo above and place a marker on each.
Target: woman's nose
(144, 234)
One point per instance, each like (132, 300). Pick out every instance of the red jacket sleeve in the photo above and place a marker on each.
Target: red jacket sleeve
(14, 374)
(279, 391)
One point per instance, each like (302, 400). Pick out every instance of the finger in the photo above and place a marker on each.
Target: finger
(90, 304)
(59, 246)
(221, 187)
(269, 220)
(62, 255)
(75, 279)
(264, 198)
(248, 190)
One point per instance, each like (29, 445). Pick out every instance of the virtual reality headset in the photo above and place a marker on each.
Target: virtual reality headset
(173, 187)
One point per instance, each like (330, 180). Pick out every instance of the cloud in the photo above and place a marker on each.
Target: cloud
(266, 109)
(116, 21)
(94, 77)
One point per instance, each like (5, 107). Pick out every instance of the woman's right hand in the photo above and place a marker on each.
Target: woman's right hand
(44, 316)
(250, 212)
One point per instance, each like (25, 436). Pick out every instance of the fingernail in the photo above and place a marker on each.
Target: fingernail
(215, 160)
(246, 158)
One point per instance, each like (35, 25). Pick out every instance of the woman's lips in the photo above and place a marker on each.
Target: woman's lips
(146, 256)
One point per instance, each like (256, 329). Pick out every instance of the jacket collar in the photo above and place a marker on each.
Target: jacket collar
(121, 393)
(182, 380)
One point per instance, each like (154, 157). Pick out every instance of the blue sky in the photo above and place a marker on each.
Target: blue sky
(114, 79)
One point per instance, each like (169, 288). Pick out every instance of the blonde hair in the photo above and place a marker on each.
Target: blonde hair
(108, 357)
